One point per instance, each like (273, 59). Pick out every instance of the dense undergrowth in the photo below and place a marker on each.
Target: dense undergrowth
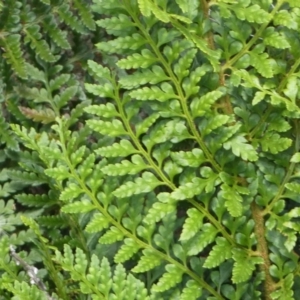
(149, 149)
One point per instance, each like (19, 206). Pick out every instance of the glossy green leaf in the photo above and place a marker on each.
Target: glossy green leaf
(111, 236)
(128, 249)
(188, 7)
(219, 253)
(133, 42)
(82, 206)
(59, 173)
(240, 147)
(203, 238)
(199, 106)
(275, 39)
(253, 13)
(153, 76)
(259, 96)
(143, 60)
(272, 142)
(164, 93)
(134, 166)
(123, 148)
(169, 279)
(147, 262)
(97, 223)
(243, 266)
(192, 158)
(284, 18)
(104, 90)
(262, 63)
(114, 128)
(145, 7)
(293, 186)
(70, 192)
(192, 224)
(233, 200)
(158, 211)
(143, 184)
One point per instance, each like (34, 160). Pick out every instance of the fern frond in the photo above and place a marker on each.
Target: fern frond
(85, 14)
(33, 36)
(14, 54)
(6, 135)
(65, 14)
(36, 200)
(117, 25)
(169, 279)
(44, 116)
(27, 178)
(137, 60)
(59, 37)
(134, 42)
(154, 76)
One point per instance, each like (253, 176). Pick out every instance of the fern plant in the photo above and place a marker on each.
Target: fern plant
(44, 49)
(183, 182)
(40, 44)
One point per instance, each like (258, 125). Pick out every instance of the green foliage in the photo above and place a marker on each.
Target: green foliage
(149, 149)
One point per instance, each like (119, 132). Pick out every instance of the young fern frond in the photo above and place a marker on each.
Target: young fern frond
(112, 214)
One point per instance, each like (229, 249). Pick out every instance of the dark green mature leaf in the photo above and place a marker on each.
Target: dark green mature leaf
(13, 54)
(33, 36)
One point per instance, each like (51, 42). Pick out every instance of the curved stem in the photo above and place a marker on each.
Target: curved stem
(262, 248)
(209, 35)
